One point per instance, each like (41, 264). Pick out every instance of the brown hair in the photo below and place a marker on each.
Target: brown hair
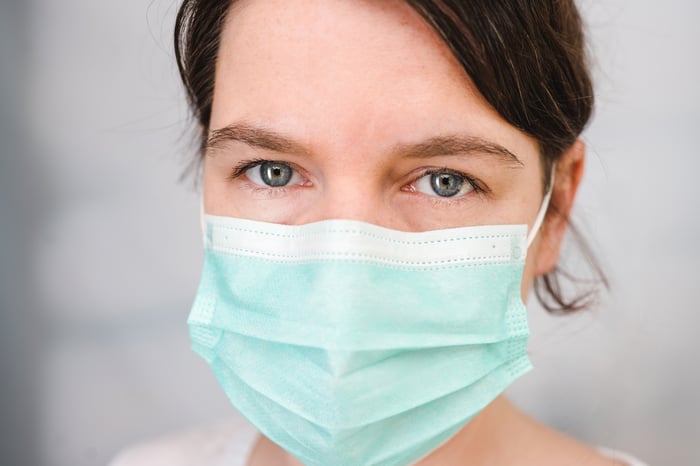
(526, 57)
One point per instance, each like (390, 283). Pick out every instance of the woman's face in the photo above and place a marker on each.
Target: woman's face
(358, 110)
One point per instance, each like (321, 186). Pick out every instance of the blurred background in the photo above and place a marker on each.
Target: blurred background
(100, 250)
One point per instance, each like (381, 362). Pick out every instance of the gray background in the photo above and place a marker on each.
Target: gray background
(100, 249)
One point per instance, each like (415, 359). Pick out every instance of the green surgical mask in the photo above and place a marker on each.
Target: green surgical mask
(349, 344)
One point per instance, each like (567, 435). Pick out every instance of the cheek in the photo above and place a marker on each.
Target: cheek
(216, 191)
(212, 192)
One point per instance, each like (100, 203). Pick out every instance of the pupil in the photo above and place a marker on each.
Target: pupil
(446, 184)
(275, 173)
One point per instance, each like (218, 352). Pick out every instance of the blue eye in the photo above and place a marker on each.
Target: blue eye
(444, 183)
(273, 174)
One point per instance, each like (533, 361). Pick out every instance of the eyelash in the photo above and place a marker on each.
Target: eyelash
(246, 165)
(439, 201)
(465, 177)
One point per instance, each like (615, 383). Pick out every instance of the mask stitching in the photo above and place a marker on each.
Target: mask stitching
(340, 255)
(361, 233)
(427, 267)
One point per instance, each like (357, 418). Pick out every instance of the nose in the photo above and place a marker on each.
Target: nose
(352, 199)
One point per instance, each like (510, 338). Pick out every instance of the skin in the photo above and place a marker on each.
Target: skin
(350, 86)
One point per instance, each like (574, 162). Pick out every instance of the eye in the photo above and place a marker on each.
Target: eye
(273, 174)
(444, 183)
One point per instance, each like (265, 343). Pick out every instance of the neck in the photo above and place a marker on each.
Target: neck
(483, 440)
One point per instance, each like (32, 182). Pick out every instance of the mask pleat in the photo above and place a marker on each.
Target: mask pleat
(363, 396)
(348, 310)
(445, 413)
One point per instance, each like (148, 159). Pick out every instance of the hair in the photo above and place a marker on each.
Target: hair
(526, 57)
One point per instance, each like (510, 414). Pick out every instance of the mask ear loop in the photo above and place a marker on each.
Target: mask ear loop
(543, 209)
(202, 222)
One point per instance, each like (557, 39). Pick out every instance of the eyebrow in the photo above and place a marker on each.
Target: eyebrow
(255, 137)
(445, 145)
(454, 145)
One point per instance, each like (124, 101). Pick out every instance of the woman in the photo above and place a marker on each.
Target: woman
(384, 182)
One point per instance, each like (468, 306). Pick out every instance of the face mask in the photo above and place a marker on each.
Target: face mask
(349, 344)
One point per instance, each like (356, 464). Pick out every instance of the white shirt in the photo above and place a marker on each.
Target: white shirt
(226, 443)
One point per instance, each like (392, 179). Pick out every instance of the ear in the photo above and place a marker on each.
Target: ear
(569, 169)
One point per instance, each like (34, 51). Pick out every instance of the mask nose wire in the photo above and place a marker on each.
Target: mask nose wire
(543, 210)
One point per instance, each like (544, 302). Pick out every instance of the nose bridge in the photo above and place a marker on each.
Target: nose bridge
(351, 198)
(353, 193)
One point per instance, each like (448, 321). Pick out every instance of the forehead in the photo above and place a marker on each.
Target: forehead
(342, 32)
(345, 70)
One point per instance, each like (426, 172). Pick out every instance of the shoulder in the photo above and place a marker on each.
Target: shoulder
(224, 443)
(625, 458)
(566, 450)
